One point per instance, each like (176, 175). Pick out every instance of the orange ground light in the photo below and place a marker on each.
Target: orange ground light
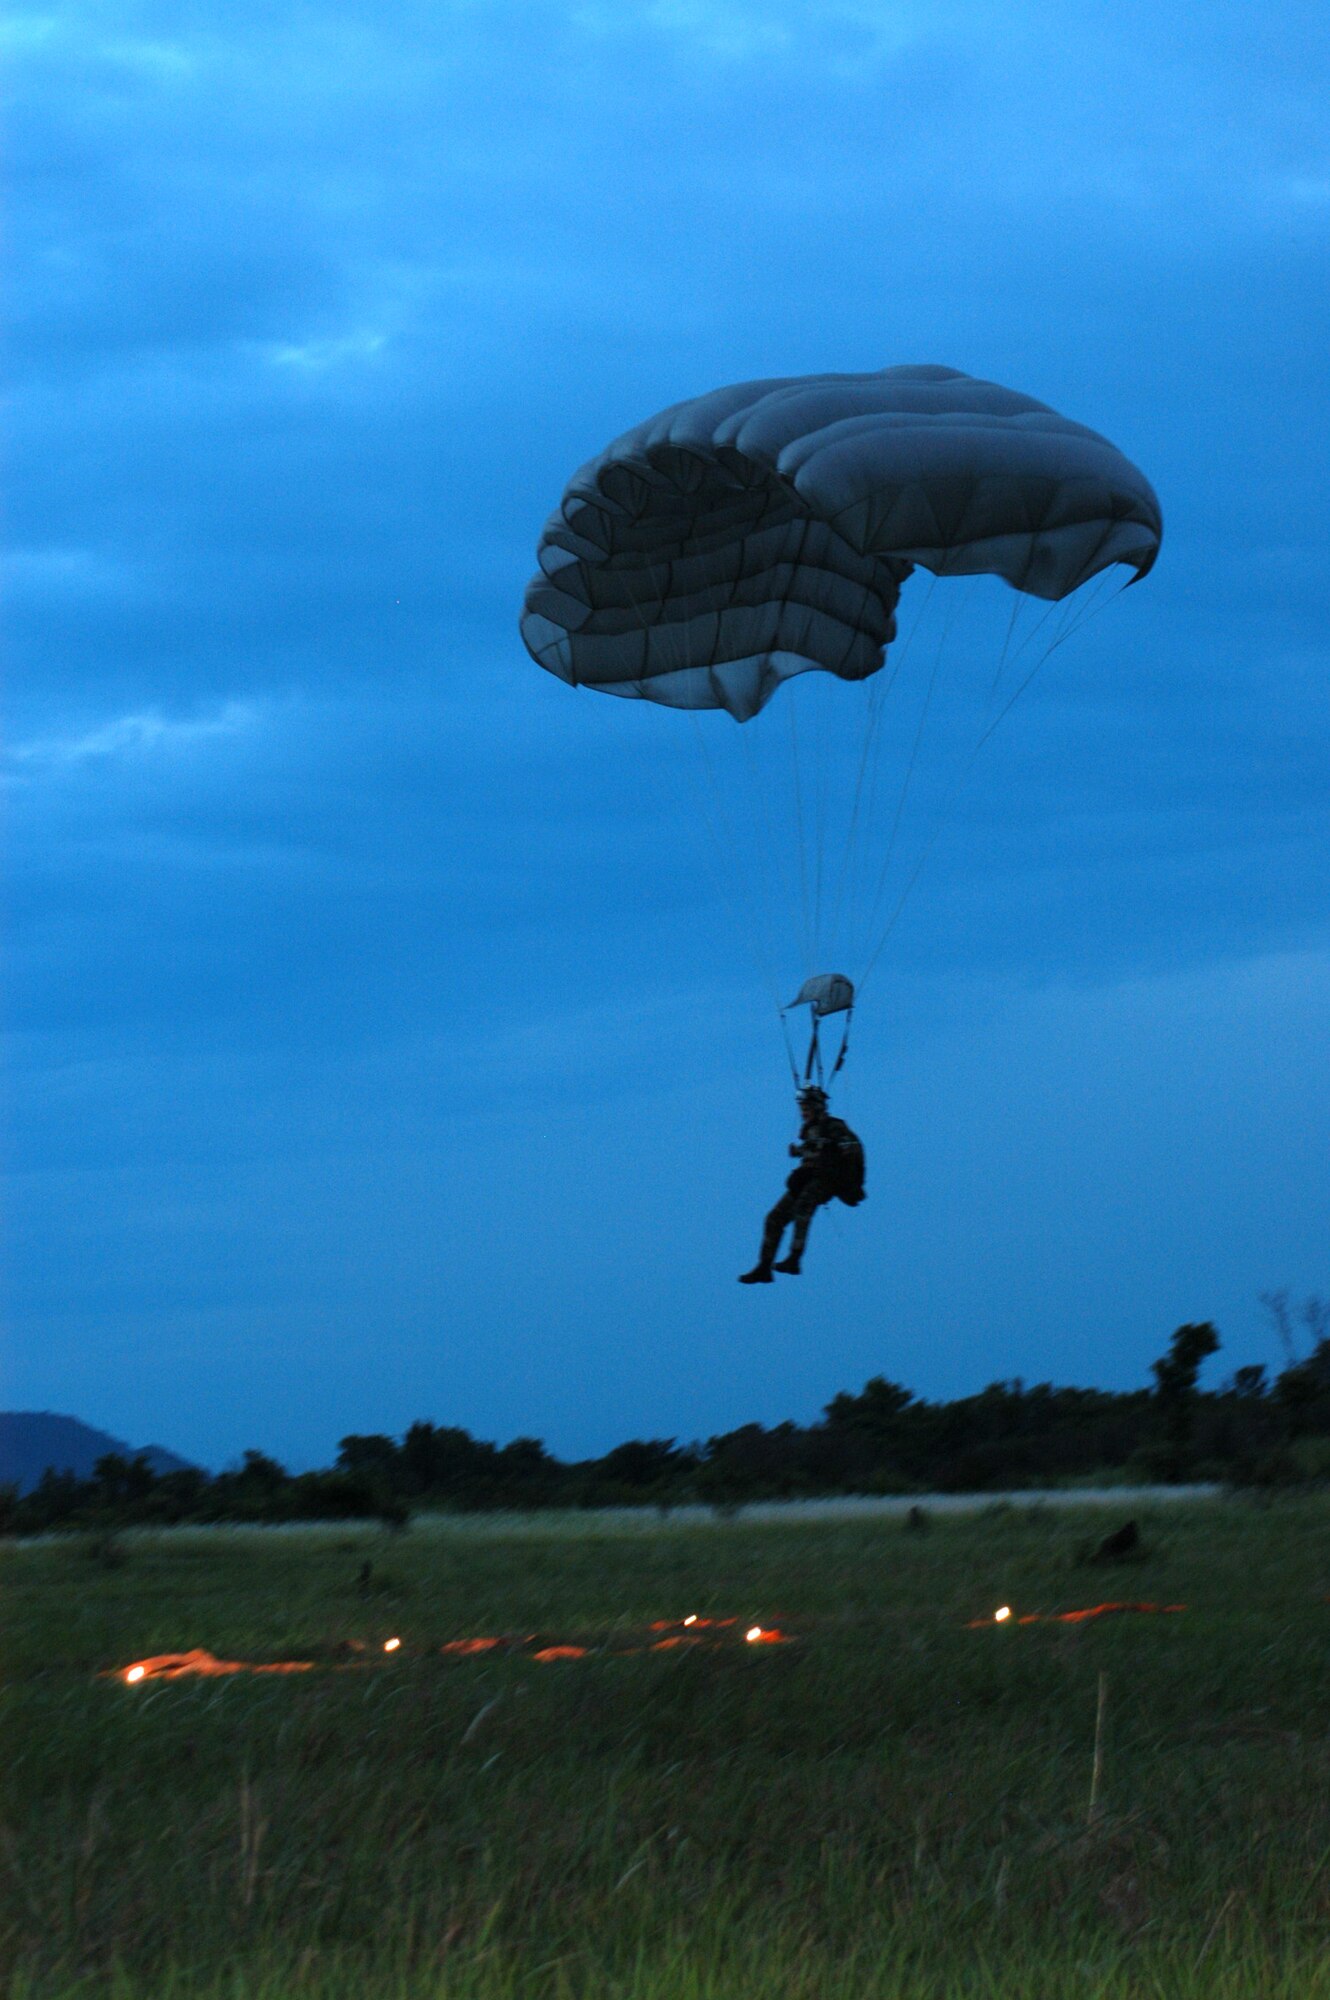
(176, 1666)
(678, 1632)
(1073, 1617)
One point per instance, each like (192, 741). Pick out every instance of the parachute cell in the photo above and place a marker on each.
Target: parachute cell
(765, 529)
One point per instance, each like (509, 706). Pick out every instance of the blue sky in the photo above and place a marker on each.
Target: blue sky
(382, 1041)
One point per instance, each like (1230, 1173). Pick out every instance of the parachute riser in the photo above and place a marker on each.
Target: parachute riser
(814, 1070)
(790, 1056)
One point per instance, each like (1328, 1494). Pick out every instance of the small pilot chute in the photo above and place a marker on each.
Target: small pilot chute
(825, 993)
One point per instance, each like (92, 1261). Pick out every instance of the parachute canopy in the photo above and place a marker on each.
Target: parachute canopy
(825, 993)
(765, 529)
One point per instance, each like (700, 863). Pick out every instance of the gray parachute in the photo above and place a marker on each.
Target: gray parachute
(765, 529)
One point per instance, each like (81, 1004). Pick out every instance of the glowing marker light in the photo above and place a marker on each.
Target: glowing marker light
(348, 1655)
(1002, 1614)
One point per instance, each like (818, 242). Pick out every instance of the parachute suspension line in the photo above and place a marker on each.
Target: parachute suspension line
(862, 858)
(799, 834)
(745, 919)
(766, 843)
(1009, 655)
(998, 671)
(1097, 600)
(1071, 614)
(821, 788)
(748, 922)
(879, 692)
(824, 773)
(850, 860)
(710, 809)
(1005, 654)
(812, 1069)
(790, 1056)
(807, 775)
(1073, 618)
(903, 797)
(1070, 625)
(843, 1051)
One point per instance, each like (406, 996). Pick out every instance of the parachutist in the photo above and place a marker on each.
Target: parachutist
(831, 1168)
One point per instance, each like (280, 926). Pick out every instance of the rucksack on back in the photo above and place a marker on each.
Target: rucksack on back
(849, 1180)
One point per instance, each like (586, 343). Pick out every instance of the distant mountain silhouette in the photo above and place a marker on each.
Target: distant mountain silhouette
(32, 1440)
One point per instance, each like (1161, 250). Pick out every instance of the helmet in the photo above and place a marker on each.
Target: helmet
(812, 1097)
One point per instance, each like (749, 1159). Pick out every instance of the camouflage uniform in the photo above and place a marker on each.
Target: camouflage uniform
(814, 1181)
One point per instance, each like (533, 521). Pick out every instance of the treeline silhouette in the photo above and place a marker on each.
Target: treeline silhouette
(1253, 1430)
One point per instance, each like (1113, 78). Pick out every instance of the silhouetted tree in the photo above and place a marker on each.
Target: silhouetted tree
(446, 1463)
(1175, 1376)
(873, 1412)
(261, 1473)
(371, 1457)
(882, 1439)
(640, 1462)
(119, 1479)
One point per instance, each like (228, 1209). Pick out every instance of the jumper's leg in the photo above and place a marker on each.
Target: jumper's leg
(772, 1231)
(798, 1237)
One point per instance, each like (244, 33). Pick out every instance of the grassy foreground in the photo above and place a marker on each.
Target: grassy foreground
(893, 1805)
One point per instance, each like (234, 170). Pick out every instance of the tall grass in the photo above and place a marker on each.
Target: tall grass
(893, 1805)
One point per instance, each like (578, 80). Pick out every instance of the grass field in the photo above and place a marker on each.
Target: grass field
(892, 1804)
